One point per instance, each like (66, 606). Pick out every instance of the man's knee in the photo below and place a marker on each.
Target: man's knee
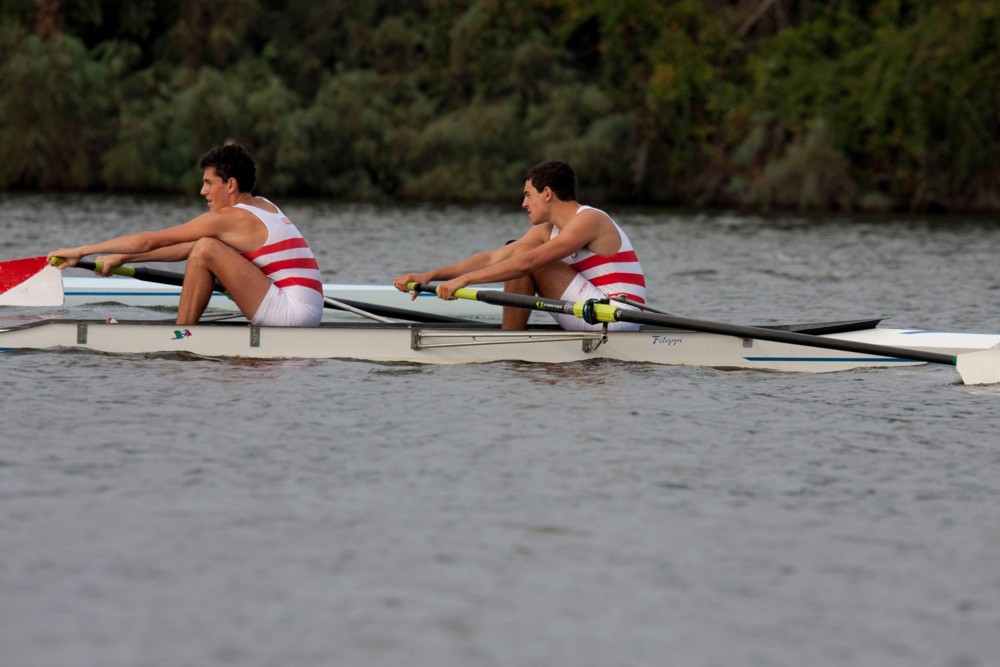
(520, 249)
(553, 279)
(205, 249)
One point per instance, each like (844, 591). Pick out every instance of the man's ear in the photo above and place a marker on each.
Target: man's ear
(547, 193)
(232, 185)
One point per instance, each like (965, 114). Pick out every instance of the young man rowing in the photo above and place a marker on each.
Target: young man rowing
(244, 242)
(571, 252)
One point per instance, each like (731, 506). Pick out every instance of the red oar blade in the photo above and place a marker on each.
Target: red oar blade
(30, 282)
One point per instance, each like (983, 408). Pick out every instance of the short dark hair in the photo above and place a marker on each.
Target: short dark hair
(553, 174)
(232, 161)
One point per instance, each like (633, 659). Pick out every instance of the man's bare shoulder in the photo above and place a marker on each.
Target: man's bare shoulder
(591, 215)
(263, 204)
(232, 224)
(235, 215)
(596, 230)
(589, 222)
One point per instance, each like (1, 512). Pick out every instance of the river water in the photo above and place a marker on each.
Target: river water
(177, 512)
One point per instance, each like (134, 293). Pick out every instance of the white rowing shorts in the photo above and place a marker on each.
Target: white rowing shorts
(581, 289)
(293, 306)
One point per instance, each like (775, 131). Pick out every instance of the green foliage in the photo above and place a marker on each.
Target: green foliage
(470, 153)
(811, 174)
(841, 104)
(349, 119)
(56, 109)
(909, 97)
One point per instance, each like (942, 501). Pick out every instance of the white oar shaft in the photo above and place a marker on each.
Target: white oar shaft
(340, 305)
(621, 298)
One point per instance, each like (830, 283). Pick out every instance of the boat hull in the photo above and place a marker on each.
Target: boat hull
(452, 344)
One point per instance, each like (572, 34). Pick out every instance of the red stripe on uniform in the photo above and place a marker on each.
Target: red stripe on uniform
(276, 247)
(611, 278)
(598, 260)
(283, 264)
(300, 282)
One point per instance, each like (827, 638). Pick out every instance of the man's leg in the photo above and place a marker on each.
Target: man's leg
(211, 259)
(549, 281)
(516, 319)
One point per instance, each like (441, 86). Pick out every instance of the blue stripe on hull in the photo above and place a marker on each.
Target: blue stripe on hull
(852, 360)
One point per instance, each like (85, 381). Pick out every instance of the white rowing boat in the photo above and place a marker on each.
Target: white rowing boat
(455, 343)
(93, 290)
(662, 338)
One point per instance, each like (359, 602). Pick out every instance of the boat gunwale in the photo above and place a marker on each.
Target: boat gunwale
(813, 328)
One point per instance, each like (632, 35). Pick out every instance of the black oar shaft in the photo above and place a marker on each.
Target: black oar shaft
(151, 275)
(778, 336)
(147, 274)
(402, 313)
(512, 299)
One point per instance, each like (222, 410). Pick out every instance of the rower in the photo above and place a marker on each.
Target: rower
(571, 252)
(244, 242)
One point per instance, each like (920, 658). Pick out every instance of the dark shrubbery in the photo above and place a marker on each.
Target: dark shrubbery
(748, 103)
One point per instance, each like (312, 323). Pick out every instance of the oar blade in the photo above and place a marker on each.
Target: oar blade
(982, 367)
(30, 282)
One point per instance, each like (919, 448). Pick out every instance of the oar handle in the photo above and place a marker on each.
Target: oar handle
(143, 273)
(140, 273)
(597, 312)
(97, 267)
(421, 287)
(589, 311)
(463, 293)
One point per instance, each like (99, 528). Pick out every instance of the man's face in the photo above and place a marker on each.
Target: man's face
(536, 203)
(215, 190)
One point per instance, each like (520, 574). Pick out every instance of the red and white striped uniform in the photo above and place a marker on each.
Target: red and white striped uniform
(611, 274)
(285, 257)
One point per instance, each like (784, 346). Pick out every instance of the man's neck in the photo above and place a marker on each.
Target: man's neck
(562, 212)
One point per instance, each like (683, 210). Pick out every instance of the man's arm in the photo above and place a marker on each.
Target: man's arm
(577, 234)
(227, 227)
(470, 264)
(172, 253)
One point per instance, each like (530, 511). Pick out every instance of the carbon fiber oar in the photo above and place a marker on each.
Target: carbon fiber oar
(152, 275)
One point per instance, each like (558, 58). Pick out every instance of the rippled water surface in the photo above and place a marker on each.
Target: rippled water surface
(166, 511)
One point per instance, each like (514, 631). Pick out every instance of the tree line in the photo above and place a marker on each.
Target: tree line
(763, 104)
